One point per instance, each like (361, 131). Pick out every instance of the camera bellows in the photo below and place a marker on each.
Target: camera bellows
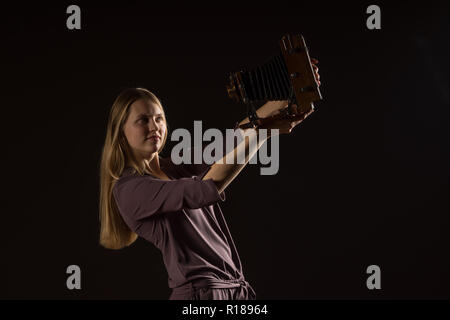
(288, 75)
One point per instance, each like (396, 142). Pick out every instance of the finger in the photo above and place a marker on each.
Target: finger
(298, 118)
(313, 60)
(295, 123)
(295, 111)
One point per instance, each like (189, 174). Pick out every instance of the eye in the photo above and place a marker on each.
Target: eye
(143, 120)
(159, 119)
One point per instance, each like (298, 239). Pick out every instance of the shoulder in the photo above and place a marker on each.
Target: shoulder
(184, 170)
(129, 176)
(130, 183)
(128, 173)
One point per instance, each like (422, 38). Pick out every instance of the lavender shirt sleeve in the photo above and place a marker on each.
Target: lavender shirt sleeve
(143, 196)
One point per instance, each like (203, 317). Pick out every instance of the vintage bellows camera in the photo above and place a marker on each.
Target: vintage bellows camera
(286, 76)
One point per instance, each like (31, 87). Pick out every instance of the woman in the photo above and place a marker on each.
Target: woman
(175, 207)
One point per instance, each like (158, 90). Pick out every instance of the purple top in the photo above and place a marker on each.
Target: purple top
(183, 219)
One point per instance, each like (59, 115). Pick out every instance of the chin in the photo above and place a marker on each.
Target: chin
(150, 151)
(147, 153)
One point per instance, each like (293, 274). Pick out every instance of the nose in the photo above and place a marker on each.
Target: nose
(153, 125)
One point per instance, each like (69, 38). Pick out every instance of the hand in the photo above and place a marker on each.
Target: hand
(286, 124)
(316, 70)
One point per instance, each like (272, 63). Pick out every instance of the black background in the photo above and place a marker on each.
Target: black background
(363, 181)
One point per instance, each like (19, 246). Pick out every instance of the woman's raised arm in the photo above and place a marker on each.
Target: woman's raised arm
(223, 173)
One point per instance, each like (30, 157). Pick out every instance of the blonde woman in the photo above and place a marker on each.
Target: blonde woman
(175, 207)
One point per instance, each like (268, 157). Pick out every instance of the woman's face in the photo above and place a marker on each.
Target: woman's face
(145, 128)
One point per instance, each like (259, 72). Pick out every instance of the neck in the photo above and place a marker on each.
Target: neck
(152, 165)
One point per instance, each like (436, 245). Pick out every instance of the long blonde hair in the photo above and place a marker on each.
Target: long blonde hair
(114, 232)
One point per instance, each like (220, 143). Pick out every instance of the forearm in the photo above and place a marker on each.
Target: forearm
(223, 172)
(267, 109)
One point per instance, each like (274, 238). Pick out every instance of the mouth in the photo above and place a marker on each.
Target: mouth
(154, 138)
